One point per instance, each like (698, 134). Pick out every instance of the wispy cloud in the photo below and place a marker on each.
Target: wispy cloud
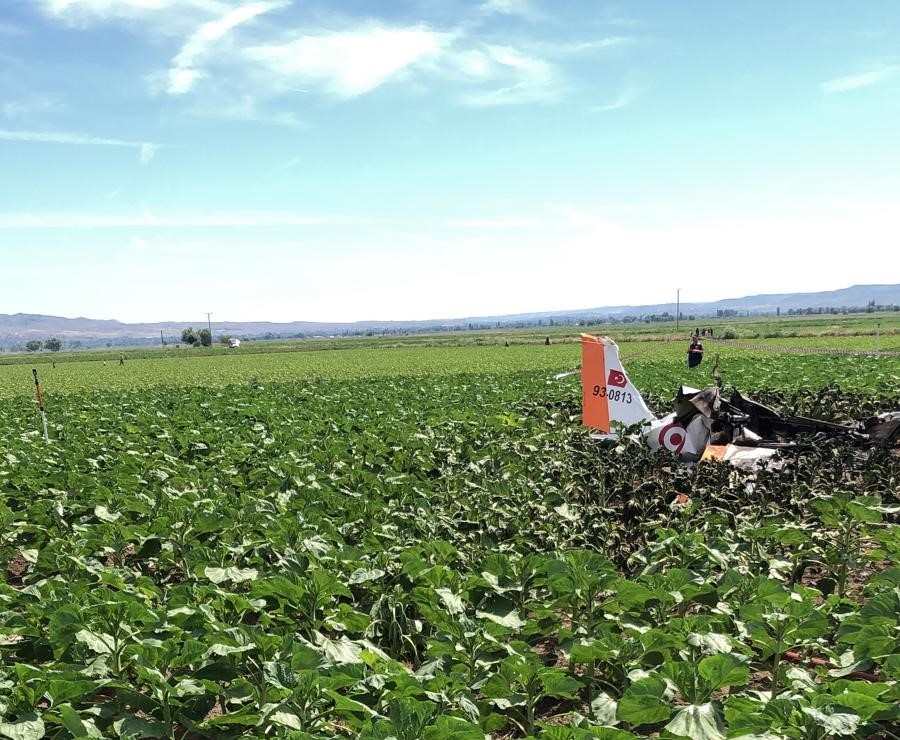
(524, 78)
(148, 219)
(348, 63)
(284, 166)
(627, 98)
(146, 149)
(184, 71)
(246, 65)
(490, 224)
(523, 8)
(81, 11)
(853, 82)
(28, 106)
(579, 47)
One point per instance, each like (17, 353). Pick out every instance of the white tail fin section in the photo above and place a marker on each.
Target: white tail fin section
(607, 393)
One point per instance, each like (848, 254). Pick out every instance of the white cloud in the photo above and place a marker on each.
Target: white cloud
(181, 81)
(82, 10)
(519, 74)
(627, 98)
(147, 150)
(246, 107)
(524, 8)
(528, 79)
(853, 82)
(346, 64)
(183, 72)
(491, 224)
(149, 219)
(29, 106)
(245, 69)
(580, 47)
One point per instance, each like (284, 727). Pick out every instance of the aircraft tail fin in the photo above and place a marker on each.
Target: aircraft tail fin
(607, 393)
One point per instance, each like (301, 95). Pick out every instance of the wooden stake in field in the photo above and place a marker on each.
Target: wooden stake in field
(40, 400)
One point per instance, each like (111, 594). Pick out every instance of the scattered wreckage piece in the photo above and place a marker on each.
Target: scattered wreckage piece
(703, 425)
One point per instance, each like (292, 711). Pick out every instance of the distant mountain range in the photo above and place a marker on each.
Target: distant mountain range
(16, 329)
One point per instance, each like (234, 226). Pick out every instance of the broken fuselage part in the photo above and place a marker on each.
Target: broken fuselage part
(702, 419)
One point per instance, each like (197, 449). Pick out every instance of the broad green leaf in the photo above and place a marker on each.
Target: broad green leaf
(30, 555)
(223, 650)
(235, 575)
(710, 643)
(604, 709)
(340, 652)
(559, 684)
(455, 605)
(344, 704)
(102, 644)
(75, 724)
(25, 729)
(446, 727)
(838, 723)
(188, 687)
(698, 722)
(800, 679)
(138, 727)
(105, 515)
(510, 620)
(364, 575)
(643, 703)
(866, 707)
(724, 670)
(286, 719)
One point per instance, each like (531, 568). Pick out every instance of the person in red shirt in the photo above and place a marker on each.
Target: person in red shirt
(695, 352)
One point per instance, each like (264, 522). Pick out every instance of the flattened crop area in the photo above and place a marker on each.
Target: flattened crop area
(440, 554)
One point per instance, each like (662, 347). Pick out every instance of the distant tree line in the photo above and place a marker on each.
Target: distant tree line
(871, 307)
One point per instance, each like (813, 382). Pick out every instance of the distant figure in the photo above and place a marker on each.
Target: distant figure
(53, 362)
(121, 358)
(710, 331)
(506, 343)
(547, 342)
(695, 353)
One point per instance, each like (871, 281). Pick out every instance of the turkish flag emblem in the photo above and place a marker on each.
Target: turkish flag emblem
(617, 378)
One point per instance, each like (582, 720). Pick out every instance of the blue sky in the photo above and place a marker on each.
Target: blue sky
(279, 159)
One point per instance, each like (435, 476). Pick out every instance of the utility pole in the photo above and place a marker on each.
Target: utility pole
(162, 339)
(677, 307)
(209, 325)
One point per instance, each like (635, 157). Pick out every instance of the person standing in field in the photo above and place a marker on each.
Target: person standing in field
(121, 358)
(695, 352)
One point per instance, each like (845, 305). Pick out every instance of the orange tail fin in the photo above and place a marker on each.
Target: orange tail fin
(595, 407)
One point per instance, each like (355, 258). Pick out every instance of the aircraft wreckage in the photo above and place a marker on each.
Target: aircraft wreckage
(703, 424)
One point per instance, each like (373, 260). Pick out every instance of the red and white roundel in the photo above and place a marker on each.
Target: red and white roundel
(673, 436)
